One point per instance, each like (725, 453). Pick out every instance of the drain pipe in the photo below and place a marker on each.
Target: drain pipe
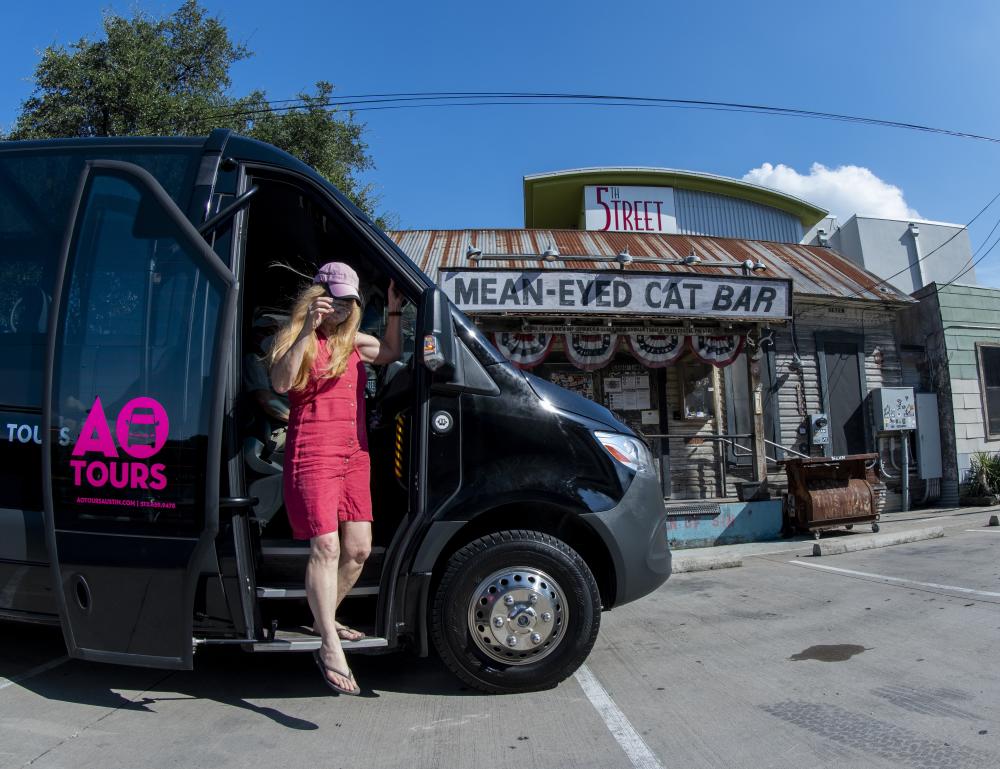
(905, 438)
(915, 233)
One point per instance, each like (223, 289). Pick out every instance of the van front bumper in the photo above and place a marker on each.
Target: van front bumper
(635, 533)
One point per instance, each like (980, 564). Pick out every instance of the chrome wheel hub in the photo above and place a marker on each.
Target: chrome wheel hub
(518, 615)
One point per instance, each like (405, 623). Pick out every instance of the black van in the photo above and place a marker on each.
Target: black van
(139, 499)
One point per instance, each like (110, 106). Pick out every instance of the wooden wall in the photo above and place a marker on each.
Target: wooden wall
(694, 467)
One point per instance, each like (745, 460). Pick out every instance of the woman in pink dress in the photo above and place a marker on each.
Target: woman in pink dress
(318, 358)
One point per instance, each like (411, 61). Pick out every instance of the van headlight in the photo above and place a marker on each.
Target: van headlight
(627, 451)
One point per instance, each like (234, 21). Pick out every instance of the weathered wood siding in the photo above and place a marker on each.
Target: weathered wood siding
(694, 467)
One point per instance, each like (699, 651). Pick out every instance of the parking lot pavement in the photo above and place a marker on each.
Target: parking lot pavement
(885, 662)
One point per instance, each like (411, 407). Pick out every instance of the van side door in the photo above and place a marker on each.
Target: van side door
(132, 419)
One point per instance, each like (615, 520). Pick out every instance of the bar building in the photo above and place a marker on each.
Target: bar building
(688, 304)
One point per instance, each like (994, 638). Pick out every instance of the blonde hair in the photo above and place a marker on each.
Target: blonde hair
(340, 343)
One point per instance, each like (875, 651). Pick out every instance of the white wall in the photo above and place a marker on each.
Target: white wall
(886, 247)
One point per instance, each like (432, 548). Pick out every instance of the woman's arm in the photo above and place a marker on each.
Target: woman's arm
(284, 370)
(390, 348)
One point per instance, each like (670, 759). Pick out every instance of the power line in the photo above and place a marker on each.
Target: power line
(398, 100)
(885, 281)
(465, 99)
(977, 261)
(973, 256)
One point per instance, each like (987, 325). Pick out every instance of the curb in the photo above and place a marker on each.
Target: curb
(706, 563)
(876, 540)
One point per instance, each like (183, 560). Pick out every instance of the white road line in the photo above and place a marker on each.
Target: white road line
(621, 729)
(986, 593)
(985, 531)
(5, 682)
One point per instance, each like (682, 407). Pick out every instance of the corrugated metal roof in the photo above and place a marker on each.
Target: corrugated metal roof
(813, 270)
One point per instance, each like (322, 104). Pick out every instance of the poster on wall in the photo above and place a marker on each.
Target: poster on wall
(580, 382)
(628, 391)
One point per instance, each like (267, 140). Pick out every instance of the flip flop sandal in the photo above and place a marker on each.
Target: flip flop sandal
(345, 633)
(349, 675)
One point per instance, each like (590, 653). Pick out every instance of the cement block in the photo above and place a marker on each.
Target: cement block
(972, 401)
(870, 542)
(963, 314)
(967, 446)
(682, 565)
(964, 416)
(965, 386)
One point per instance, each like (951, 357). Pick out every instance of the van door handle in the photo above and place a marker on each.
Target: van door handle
(238, 501)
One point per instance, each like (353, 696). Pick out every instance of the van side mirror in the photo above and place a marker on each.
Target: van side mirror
(438, 350)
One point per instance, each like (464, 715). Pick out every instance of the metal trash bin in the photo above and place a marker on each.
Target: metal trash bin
(828, 493)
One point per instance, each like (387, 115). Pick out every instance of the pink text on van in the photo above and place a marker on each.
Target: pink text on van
(141, 430)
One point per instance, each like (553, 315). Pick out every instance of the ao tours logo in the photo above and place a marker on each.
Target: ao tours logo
(141, 430)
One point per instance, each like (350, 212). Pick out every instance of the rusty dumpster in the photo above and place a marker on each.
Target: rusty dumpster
(831, 492)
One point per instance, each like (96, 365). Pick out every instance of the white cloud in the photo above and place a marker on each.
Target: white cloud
(843, 191)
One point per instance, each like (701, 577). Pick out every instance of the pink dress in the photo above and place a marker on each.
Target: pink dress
(327, 470)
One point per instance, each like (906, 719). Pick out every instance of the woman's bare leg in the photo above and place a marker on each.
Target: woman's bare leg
(355, 547)
(321, 592)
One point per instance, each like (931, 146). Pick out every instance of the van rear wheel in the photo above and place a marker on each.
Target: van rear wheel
(515, 611)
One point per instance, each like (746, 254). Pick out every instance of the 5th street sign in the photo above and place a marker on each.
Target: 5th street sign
(618, 293)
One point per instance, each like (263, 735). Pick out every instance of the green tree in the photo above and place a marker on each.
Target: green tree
(312, 133)
(170, 76)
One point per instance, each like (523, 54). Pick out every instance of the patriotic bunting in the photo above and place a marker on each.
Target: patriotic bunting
(523, 349)
(657, 350)
(718, 351)
(591, 351)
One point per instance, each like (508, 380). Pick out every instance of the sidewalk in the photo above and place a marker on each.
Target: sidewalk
(726, 556)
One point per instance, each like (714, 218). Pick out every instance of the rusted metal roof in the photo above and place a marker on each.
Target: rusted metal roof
(813, 270)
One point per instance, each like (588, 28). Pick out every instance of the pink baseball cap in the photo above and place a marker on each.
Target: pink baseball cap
(340, 280)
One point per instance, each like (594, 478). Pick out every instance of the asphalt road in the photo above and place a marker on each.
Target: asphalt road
(775, 664)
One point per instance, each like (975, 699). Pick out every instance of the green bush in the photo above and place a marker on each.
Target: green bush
(985, 474)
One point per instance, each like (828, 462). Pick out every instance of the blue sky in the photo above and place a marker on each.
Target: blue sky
(921, 62)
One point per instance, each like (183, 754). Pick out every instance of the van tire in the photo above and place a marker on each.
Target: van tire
(522, 552)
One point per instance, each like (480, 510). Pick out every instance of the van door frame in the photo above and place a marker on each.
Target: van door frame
(391, 265)
(203, 544)
(236, 569)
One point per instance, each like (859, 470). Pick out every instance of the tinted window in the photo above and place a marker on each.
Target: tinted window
(132, 389)
(36, 192)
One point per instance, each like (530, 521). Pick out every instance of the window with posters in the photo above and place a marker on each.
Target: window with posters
(580, 382)
(696, 390)
(630, 390)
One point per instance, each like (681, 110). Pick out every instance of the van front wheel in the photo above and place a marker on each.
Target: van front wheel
(515, 611)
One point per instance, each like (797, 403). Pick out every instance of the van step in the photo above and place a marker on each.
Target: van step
(299, 592)
(301, 641)
(288, 548)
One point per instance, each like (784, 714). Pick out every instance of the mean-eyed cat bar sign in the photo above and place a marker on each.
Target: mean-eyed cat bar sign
(600, 292)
